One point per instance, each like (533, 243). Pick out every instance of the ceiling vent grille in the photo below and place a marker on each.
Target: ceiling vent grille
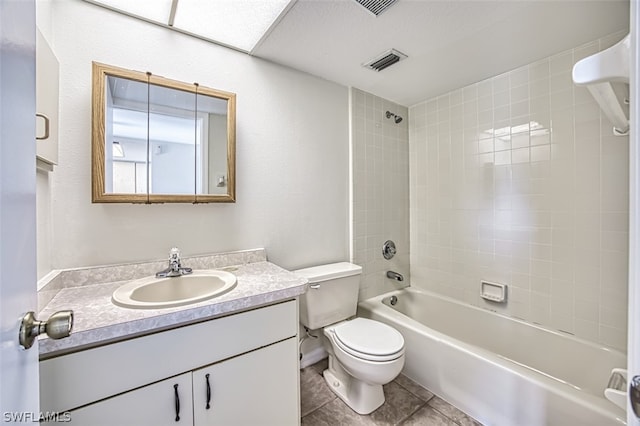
(385, 60)
(376, 6)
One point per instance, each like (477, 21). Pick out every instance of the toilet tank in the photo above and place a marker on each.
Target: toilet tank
(332, 295)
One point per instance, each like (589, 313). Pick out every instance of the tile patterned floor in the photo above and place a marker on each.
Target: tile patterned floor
(406, 403)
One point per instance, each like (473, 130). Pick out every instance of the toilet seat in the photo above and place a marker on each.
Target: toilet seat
(369, 340)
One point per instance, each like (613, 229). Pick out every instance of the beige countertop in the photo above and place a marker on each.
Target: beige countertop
(98, 321)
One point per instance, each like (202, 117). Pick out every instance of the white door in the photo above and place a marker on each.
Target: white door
(168, 403)
(634, 213)
(241, 391)
(18, 367)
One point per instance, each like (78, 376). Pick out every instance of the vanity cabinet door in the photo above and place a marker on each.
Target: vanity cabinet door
(258, 388)
(153, 405)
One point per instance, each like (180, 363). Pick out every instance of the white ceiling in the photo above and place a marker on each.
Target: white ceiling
(450, 43)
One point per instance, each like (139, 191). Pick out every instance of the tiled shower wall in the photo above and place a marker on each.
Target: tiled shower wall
(518, 180)
(380, 185)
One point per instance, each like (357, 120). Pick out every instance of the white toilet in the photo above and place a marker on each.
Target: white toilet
(363, 354)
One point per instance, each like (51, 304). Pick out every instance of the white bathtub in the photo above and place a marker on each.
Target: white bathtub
(499, 370)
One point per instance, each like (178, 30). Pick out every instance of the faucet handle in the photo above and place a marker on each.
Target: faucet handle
(174, 254)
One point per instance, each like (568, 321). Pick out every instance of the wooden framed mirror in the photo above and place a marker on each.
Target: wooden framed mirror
(156, 140)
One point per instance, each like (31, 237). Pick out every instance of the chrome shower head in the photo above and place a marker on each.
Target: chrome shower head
(396, 117)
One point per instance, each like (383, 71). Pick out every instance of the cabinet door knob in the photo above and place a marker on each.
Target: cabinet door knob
(175, 389)
(208, 392)
(46, 127)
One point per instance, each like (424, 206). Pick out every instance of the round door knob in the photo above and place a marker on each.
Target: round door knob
(58, 325)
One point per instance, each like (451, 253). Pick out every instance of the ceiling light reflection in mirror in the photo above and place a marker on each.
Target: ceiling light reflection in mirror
(240, 24)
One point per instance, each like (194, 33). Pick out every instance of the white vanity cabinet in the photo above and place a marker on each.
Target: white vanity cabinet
(251, 360)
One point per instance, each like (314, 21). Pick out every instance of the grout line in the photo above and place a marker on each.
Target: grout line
(451, 418)
(417, 396)
(404, 419)
(446, 416)
(316, 409)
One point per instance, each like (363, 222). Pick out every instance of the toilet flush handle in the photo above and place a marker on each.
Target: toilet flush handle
(315, 286)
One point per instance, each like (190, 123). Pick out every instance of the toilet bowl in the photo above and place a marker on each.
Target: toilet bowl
(364, 354)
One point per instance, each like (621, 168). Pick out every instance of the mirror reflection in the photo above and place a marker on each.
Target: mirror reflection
(161, 140)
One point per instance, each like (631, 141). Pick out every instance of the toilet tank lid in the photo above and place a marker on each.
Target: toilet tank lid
(331, 271)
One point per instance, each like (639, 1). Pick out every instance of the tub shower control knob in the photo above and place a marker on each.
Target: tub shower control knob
(388, 249)
(58, 325)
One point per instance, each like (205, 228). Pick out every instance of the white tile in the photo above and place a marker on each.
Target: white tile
(587, 112)
(540, 153)
(456, 97)
(616, 318)
(539, 105)
(484, 88)
(432, 106)
(500, 83)
(484, 103)
(614, 221)
(587, 291)
(562, 321)
(521, 155)
(520, 109)
(500, 99)
(582, 95)
(444, 101)
(485, 118)
(519, 77)
(586, 329)
(502, 143)
(561, 81)
(501, 114)
(561, 99)
(615, 241)
(540, 89)
(542, 206)
(587, 311)
(470, 93)
(562, 62)
(519, 93)
(502, 158)
(539, 70)
(614, 337)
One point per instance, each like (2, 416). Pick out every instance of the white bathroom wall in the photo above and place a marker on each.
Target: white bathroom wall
(380, 200)
(380, 185)
(292, 153)
(43, 225)
(518, 179)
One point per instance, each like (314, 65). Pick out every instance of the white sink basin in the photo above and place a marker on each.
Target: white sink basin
(157, 293)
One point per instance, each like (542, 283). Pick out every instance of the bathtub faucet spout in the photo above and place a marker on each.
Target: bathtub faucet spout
(395, 276)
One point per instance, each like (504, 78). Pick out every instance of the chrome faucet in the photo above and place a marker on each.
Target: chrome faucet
(395, 276)
(175, 268)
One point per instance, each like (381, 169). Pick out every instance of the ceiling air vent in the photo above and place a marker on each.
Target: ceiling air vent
(385, 60)
(376, 6)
